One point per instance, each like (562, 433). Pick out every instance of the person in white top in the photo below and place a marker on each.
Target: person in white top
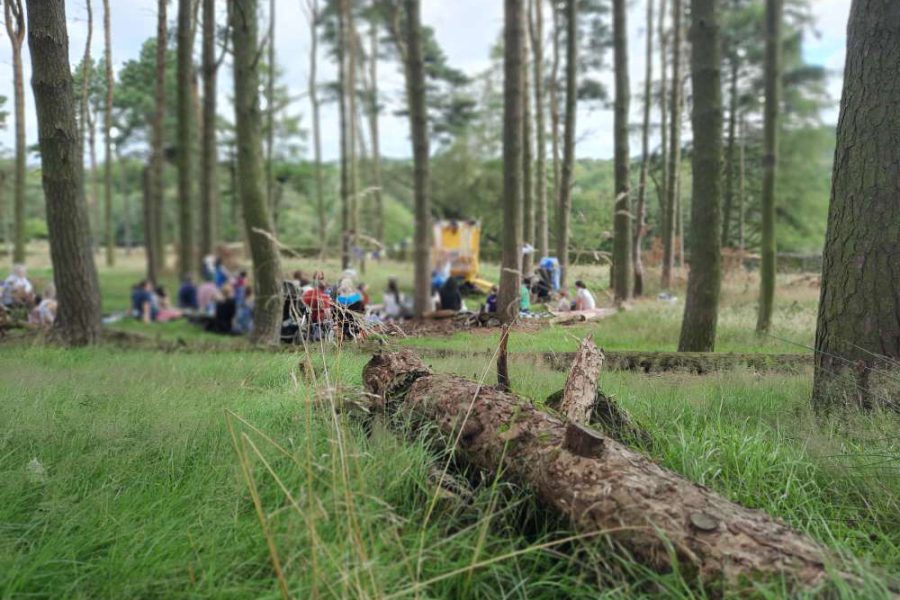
(584, 299)
(17, 288)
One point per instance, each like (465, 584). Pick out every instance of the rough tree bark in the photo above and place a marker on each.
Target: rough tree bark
(418, 124)
(270, 115)
(774, 10)
(513, 88)
(527, 152)
(657, 516)
(248, 121)
(674, 148)
(730, 152)
(15, 28)
(564, 203)
(156, 256)
(312, 12)
(62, 172)
(640, 209)
(701, 308)
(209, 183)
(858, 332)
(184, 144)
(107, 137)
(623, 274)
(536, 30)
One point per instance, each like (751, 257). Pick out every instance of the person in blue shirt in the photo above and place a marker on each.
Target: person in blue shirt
(143, 303)
(349, 301)
(187, 294)
(221, 275)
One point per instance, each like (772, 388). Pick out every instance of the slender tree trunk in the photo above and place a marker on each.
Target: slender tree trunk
(15, 28)
(313, 15)
(4, 225)
(87, 74)
(774, 11)
(513, 116)
(156, 256)
(536, 10)
(663, 120)
(858, 331)
(95, 179)
(568, 162)
(62, 171)
(209, 185)
(344, 118)
(640, 210)
(126, 204)
(527, 154)
(701, 310)
(374, 109)
(257, 221)
(554, 111)
(147, 204)
(674, 148)
(270, 117)
(184, 144)
(418, 120)
(742, 187)
(622, 241)
(353, 123)
(730, 150)
(107, 136)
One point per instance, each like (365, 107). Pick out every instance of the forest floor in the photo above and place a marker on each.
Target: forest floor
(142, 473)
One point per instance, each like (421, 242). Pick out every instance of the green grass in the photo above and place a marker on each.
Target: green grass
(144, 493)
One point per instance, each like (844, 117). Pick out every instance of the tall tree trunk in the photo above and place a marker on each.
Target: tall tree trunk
(270, 117)
(156, 257)
(343, 119)
(858, 331)
(353, 123)
(95, 179)
(257, 221)
(701, 309)
(4, 226)
(536, 29)
(527, 154)
(674, 148)
(209, 185)
(513, 114)
(662, 186)
(313, 90)
(742, 188)
(87, 74)
(184, 144)
(622, 240)
(418, 121)
(774, 11)
(554, 110)
(126, 204)
(730, 166)
(640, 210)
(15, 28)
(568, 162)
(107, 136)
(62, 171)
(378, 208)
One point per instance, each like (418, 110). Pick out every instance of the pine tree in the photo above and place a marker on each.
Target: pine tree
(15, 28)
(674, 154)
(536, 30)
(641, 208)
(622, 241)
(107, 137)
(184, 145)
(564, 203)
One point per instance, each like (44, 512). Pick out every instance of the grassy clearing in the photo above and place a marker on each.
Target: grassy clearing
(142, 490)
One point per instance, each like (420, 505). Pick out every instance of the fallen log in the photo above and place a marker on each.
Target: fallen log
(657, 516)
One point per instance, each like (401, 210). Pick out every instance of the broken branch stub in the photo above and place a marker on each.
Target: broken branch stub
(581, 385)
(659, 517)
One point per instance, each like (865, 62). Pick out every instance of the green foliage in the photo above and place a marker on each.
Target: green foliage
(36, 229)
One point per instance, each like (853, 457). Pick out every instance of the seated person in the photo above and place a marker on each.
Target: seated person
(240, 286)
(221, 276)
(363, 289)
(490, 305)
(525, 296)
(564, 303)
(542, 285)
(187, 295)
(451, 298)
(394, 301)
(17, 290)
(244, 319)
(584, 299)
(226, 309)
(206, 297)
(165, 312)
(349, 301)
(318, 302)
(143, 303)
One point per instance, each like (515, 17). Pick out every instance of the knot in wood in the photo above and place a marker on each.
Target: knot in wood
(583, 441)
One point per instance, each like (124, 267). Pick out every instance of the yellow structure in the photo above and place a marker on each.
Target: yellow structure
(456, 244)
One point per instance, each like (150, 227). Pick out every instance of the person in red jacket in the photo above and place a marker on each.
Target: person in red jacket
(319, 304)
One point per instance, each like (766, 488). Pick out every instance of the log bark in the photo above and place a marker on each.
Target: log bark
(657, 516)
(581, 385)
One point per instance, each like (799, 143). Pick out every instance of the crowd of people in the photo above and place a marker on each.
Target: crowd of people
(18, 293)
(541, 288)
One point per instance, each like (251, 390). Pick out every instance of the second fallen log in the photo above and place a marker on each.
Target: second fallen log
(656, 515)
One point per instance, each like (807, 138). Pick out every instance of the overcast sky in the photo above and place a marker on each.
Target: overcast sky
(466, 29)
